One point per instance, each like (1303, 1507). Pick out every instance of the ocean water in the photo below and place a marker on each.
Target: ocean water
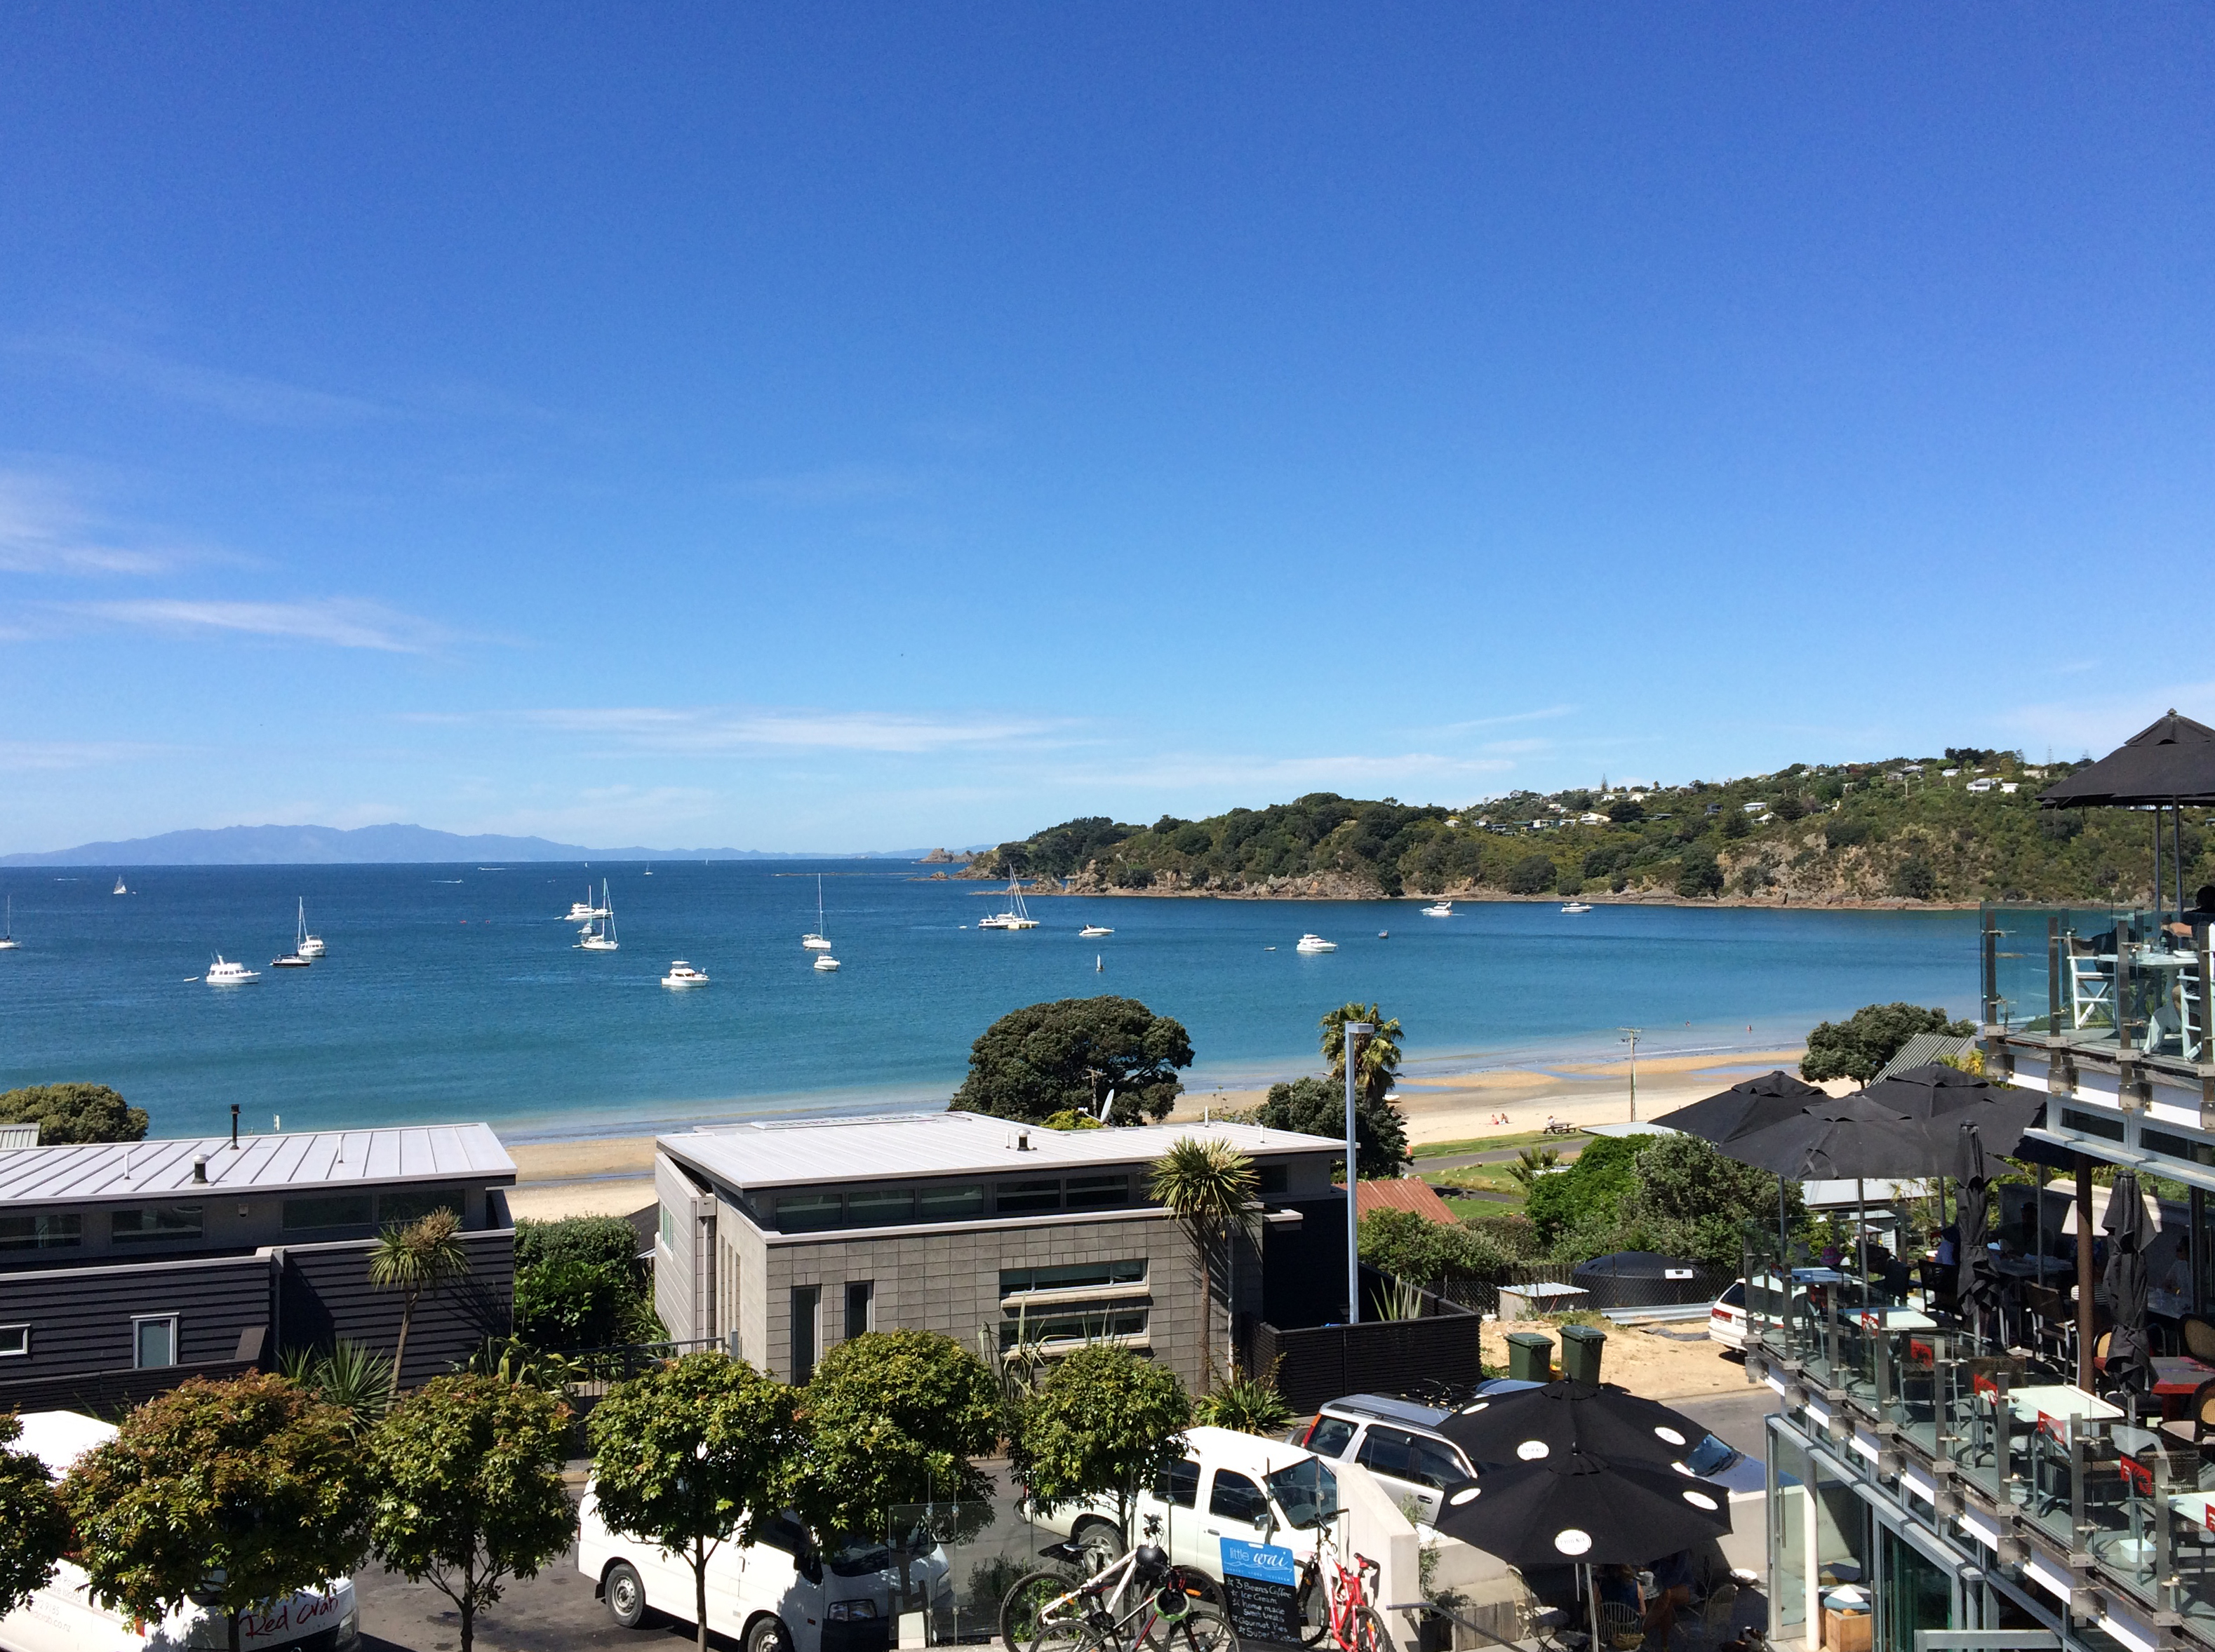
(456, 993)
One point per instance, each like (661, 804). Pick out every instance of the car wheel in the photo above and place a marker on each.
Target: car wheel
(1102, 1544)
(768, 1635)
(626, 1595)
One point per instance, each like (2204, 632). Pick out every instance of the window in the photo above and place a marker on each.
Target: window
(1405, 1456)
(15, 1342)
(154, 1224)
(807, 1330)
(668, 1229)
(1330, 1436)
(2177, 1147)
(949, 1203)
(2108, 1129)
(1276, 1179)
(328, 1210)
(875, 1206)
(40, 1233)
(1095, 1192)
(1021, 1198)
(861, 1307)
(1016, 1281)
(414, 1204)
(807, 1212)
(154, 1341)
(1087, 1324)
(1307, 1492)
(1178, 1483)
(1235, 1497)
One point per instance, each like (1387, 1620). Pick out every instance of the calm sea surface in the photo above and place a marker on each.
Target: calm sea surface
(456, 992)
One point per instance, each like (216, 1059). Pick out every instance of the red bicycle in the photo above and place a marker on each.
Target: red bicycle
(1334, 1603)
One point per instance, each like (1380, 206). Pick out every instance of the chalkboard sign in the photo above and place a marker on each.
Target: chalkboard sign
(1261, 1584)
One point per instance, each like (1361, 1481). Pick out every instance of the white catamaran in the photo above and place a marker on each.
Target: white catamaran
(1017, 916)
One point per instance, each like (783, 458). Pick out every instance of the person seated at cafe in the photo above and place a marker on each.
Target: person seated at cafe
(1949, 1246)
(1892, 1273)
(1673, 1588)
(1618, 1587)
(2198, 916)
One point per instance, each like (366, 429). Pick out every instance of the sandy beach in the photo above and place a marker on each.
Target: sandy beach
(614, 1176)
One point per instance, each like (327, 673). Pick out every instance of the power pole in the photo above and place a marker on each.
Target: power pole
(1630, 1038)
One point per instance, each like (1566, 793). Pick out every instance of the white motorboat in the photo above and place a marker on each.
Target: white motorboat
(585, 911)
(813, 940)
(224, 973)
(1577, 906)
(599, 936)
(1315, 944)
(8, 941)
(307, 947)
(1092, 931)
(681, 974)
(119, 889)
(1017, 916)
(292, 961)
(1443, 909)
(825, 963)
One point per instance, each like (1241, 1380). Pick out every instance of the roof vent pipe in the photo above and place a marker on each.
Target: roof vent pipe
(234, 1126)
(199, 1167)
(1023, 1141)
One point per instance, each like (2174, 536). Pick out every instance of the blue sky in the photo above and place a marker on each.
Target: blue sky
(865, 426)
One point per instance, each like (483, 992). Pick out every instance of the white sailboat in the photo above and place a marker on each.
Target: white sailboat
(307, 945)
(813, 940)
(1017, 916)
(119, 889)
(599, 936)
(8, 941)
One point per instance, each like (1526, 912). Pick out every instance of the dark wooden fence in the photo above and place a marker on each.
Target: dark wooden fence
(110, 1393)
(1315, 1363)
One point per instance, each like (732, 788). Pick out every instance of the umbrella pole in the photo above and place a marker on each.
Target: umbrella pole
(1860, 1237)
(1591, 1605)
(2085, 1273)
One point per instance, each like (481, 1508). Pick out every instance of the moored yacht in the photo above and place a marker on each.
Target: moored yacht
(8, 941)
(1091, 930)
(1017, 916)
(585, 911)
(119, 889)
(813, 940)
(825, 963)
(1442, 910)
(307, 947)
(1576, 906)
(600, 935)
(681, 974)
(224, 973)
(1315, 944)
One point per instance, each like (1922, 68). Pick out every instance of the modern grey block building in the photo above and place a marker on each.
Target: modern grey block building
(782, 1238)
(127, 1266)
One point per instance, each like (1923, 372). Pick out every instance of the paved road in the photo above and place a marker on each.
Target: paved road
(554, 1612)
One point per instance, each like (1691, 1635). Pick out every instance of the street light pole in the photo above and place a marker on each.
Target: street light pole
(1632, 1040)
(1355, 1034)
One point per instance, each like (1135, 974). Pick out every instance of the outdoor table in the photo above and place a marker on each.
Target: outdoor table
(2175, 1375)
(2032, 1267)
(1900, 1319)
(2057, 1401)
(2198, 1507)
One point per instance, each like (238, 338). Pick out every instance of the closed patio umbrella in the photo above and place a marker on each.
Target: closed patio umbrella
(1978, 1285)
(2130, 1362)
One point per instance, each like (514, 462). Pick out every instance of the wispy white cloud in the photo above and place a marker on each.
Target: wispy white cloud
(239, 395)
(335, 623)
(1542, 714)
(709, 730)
(43, 529)
(1276, 778)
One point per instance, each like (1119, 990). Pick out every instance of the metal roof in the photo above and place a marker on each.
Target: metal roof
(298, 1162)
(1923, 1049)
(783, 1152)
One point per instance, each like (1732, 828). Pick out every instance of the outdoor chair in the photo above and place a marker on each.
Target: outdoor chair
(2091, 986)
(1621, 1628)
(2200, 1339)
(1713, 1624)
(2197, 1422)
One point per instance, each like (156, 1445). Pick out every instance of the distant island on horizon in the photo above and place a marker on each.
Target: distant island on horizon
(397, 844)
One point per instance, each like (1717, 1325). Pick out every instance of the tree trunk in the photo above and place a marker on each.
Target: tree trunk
(469, 1619)
(400, 1353)
(700, 1585)
(1206, 1314)
(230, 1628)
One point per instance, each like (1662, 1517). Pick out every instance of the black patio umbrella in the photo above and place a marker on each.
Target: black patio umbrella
(1583, 1509)
(1753, 1105)
(1565, 1418)
(2130, 1357)
(1839, 1137)
(1944, 1097)
(2171, 761)
(1978, 1286)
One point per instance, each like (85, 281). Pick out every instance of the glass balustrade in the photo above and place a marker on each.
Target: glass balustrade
(2104, 979)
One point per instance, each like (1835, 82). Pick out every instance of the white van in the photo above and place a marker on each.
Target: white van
(774, 1595)
(63, 1617)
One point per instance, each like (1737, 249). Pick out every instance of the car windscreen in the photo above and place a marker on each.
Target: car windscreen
(1307, 1492)
(1709, 1457)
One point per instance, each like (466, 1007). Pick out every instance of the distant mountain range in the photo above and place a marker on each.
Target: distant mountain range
(311, 845)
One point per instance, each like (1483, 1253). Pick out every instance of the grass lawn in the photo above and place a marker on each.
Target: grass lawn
(1494, 1143)
(1465, 1208)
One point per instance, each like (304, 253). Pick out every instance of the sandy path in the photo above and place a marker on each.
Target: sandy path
(1644, 1360)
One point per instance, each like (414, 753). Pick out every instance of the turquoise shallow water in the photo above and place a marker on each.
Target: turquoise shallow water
(455, 993)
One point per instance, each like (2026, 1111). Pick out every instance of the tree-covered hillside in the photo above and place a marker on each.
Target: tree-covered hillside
(1903, 830)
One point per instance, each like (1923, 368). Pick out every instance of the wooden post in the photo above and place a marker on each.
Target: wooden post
(2084, 1272)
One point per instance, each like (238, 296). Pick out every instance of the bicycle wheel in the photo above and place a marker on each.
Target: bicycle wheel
(1030, 1617)
(1313, 1605)
(1369, 1634)
(1200, 1628)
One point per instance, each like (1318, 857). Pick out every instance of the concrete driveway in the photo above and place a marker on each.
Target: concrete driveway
(553, 1611)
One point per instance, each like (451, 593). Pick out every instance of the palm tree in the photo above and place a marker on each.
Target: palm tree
(1529, 1164)
(412, 1259)
(1209, 1186)
(1380, 1053)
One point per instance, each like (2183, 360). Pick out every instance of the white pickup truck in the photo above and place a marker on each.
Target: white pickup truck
(63, 1617)
(776, 1594)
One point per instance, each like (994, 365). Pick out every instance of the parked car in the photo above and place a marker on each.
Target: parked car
(777, 1593)
(1399, 1442)
(63, 1617)
(1726, 1322)
(1225, 1484)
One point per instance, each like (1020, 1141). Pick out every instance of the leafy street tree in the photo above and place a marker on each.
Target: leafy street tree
(33, 1525)
(1414, 1247)
(1096, 1428)
(249, 1489)
(1687, 1200)
(1316, 1107)
(66, 1113)
(413, 1258)
(1379, 1055)
(1858, 1047)
(1587, 1196)
(694, 1452)
(467, 1478)
(895, 1417)
(1209, 1186)
(1037, 1061)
